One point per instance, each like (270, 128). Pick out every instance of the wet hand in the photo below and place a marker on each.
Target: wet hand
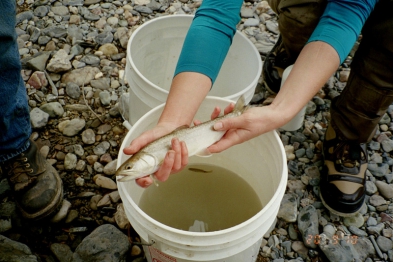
(253, 122)
(175, 160)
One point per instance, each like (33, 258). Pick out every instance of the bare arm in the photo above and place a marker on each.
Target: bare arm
(187, 92)
(315, 64)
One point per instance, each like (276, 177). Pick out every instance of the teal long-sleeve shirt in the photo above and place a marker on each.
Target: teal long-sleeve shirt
(214, 25)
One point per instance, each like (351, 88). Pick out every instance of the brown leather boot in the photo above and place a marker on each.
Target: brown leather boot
(343, 179)
(37, 186)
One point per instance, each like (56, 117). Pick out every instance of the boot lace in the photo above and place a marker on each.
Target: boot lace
(349, 155)
(19, 170)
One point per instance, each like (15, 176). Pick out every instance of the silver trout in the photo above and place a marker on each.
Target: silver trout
(197, 138)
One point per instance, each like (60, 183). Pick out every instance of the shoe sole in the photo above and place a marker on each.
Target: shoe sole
(52, 208)
(331, 210)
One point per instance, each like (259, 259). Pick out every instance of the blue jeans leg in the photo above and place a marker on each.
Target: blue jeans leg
(15, 128)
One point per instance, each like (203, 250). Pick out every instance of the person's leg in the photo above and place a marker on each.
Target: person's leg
(36, 184)
(297, 20)
(15, 125)
(355, 114)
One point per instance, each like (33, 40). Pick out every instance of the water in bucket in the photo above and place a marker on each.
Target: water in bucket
(201, 198)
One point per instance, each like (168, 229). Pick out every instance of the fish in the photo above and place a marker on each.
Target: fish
(199, 170)
(197, 139)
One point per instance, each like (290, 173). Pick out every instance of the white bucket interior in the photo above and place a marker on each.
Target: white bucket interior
(152, 54)
(260, 161)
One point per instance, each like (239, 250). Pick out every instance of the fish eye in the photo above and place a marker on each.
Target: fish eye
(128, 167)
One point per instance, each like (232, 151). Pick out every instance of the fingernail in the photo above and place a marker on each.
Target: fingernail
(218, 126)
(147, 183)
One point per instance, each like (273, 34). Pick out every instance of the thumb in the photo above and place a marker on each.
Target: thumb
(228, 123)
(137, 144)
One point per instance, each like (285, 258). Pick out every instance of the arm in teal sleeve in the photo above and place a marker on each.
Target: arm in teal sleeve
(341, 23)
(209, 37)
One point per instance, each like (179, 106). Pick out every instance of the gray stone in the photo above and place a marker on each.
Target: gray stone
(385, 244)
(384, 189)
(105, 98)
(105, 243)
(88, 137)
(91, 60)
(14, 251)
(60, 62)
(38, 62)
(143, 9)
(355, 221)
(101, 148)
(288, 208)
(80, 76)
(60, 10)
(38, 118)
(104, 38)
(54, 109)
(62, 252)
(364, 247)
(73, 127)
(73, 90)
(356, 231)
(371, 188)
(335, 251)
(41, 11)
(387, 145)
(378, 170)
(377, 200)
(27, 15)
(308, 224)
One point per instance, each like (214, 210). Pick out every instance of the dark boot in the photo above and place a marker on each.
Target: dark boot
(37, 185)
(296, 22)
(343, 179)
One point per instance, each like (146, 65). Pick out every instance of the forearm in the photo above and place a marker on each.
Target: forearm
(187, 92)
(315, 65)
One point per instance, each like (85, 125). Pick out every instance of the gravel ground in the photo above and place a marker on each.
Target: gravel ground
(74, 55)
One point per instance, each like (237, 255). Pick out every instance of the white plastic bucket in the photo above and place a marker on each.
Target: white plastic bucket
(152, 54)
(260, 162)
(297, 121)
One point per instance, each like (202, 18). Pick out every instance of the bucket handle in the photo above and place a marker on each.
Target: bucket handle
(144, 244)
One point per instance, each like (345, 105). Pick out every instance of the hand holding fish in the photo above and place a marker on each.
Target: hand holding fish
(175, 160)
(254, 122)
(162, 153)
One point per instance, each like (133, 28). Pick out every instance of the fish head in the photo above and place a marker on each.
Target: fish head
(136, 167)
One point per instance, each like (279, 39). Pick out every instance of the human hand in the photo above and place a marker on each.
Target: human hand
(175, 159)
(253, 122)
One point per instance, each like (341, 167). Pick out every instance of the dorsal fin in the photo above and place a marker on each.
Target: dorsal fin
(240, 104)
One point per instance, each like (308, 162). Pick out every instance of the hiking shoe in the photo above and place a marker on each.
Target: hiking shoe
(275, 63)
(37, 185)
(343, 179)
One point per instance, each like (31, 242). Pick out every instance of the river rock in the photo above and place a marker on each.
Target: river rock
(105, 243)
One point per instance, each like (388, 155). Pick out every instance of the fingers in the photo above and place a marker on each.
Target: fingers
(229, 123)
(175, 160)
(164, 171)
(144, 181)
(138, 143)
(216, 113)
(229, 108)
(226, 142)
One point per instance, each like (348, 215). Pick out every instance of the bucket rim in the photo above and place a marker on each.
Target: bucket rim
(191, 17)
(276, 196)
(133, 35)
